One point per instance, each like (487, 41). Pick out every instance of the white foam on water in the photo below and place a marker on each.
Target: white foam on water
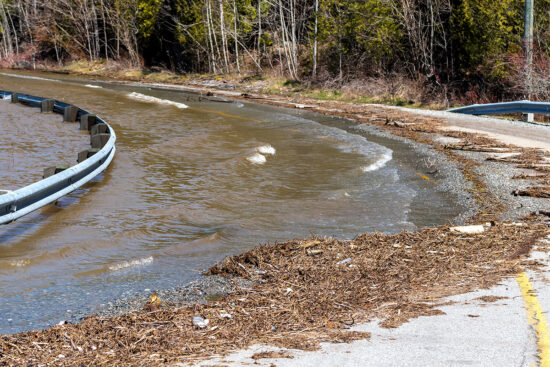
(28, 77)
(381, 162)
(151, 99)
(266, 149)
(257, 159)
(131, 264)
(93, 86)
(20, 263)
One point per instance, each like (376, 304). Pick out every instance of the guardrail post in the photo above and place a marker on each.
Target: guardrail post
(528, 117)
(99, 140)
(70, 113)
(99, 129)
(47, 105)
(50, 171)
(85, 154)
(87, 121)
(14, 98)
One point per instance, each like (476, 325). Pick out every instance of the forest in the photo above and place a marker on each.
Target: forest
(466, 50)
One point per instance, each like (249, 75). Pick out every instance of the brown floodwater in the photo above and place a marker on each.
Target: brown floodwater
(187, 187)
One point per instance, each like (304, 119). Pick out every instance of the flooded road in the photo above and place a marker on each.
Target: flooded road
(187, 187)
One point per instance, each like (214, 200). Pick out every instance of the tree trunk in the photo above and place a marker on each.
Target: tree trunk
(259, 53)
(105, 41)
(212, 55)
(235, 37)
(6, 34)
(224, 39)
(213, 33)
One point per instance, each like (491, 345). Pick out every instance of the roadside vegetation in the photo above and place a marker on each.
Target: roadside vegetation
(444, 52)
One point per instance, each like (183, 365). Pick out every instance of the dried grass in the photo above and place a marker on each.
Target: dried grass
(490, 299)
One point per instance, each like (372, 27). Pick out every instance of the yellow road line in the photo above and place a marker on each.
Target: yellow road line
(426, 178)
(536, 318)
(224, 114)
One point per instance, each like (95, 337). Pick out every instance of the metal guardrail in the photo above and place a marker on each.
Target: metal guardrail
(541, 108)
(15, 204)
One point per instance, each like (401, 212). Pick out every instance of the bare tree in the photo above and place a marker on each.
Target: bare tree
(235, 37)
(224, 38)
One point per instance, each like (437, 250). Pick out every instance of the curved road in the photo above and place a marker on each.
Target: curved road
(507, 327)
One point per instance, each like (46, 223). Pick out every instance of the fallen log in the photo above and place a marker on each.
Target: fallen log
(475, 148)
(536, 192)
(525, 176)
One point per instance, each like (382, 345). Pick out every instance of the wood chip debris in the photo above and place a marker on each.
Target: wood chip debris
(328, 294)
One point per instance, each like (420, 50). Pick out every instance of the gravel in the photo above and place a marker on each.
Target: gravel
(497, 177)
(202, 290)
(448, 176)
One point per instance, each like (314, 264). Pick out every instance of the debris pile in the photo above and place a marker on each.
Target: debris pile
(304, 292)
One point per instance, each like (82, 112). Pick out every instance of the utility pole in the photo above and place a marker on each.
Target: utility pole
(315, 40)
(528, 49)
